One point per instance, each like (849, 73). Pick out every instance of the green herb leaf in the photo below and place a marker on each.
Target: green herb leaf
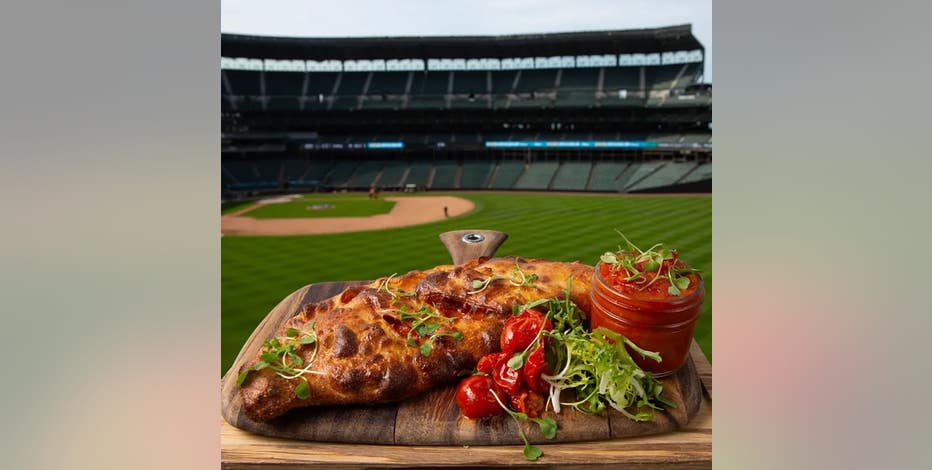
(476, 284)
(427, 328)
(456, 335)
(673, 290)
(682, 282)
(651, 266)
(242, 376)
(269, 357)
(516, 361)
(308, 339)
(425, 348)
(303, 390)
(548, 427)
(532, 452)
(296, 360)
(292, 332)
(260, 365)
(609, 258)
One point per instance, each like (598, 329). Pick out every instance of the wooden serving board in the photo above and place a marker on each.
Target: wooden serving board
(433, 418)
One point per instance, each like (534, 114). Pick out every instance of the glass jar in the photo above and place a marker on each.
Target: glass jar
(663, 324)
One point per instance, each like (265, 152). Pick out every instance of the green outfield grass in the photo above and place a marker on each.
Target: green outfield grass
(257, 272)
(343, 206)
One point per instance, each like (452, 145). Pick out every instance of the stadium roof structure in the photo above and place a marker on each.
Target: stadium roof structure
(671, 38)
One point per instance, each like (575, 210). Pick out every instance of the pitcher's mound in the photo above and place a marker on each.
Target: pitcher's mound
(407, 211)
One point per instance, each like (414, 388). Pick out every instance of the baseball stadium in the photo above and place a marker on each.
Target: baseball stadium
(344, 158)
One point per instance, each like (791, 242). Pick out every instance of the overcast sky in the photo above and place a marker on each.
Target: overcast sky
(444, 17)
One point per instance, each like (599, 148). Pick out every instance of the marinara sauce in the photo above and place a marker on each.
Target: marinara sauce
(651, 317)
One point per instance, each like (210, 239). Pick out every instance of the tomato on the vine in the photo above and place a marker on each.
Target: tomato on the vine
(520, 330)
(475, 399)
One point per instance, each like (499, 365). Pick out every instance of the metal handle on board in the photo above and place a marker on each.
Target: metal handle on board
(467, 245)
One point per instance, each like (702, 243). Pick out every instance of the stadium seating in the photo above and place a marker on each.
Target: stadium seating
(294, 170)
(702, 172)
(445, 98)
(283, 103)
(662, 77)
(364, 175)
(378, 102)
(351, 83)
(572, 176)
(535, 88)
(321, 83)
(269, 170)
(621, 78)
(667, 175)
(537, 175)
(243, 83)
(284, 83)
(576, 98)
(318, 171)
(242, 172)
(690, 75)
(604, 175)
(419, 174)
(388, 83)
(476, 174)
(695, 138)
(444, 175)
(630, 178)
(666, 138)
(586, 79)
(340, 173)
(431, 83)
(506, 174)
(614, 176)
(392, 175)
(249, 103)
(536, 80)
(470, 82)
(345, 103)
(503, 82)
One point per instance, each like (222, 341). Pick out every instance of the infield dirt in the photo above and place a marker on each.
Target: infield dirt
(407, 211)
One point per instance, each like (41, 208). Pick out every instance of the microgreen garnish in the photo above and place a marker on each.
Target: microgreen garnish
(595, 364)
(395, 292)
(658, 259)
(518, 278)
(548, 427)
(424, 323)
(281, 355)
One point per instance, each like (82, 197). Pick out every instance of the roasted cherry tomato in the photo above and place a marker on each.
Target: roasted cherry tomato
(534, 366)
(520, 330)
(528, 402)
(488, 362)
(507, 379)
(475, 399)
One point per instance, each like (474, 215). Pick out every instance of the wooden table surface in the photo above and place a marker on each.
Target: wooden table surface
(690, 447)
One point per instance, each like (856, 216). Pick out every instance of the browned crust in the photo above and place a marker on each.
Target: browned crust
(362, 350)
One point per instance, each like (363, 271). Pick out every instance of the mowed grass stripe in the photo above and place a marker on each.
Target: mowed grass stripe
(257, 272)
